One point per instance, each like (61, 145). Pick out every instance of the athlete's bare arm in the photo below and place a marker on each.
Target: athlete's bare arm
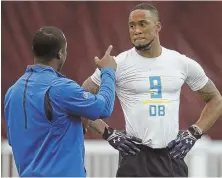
(213, 107)
(98, 125)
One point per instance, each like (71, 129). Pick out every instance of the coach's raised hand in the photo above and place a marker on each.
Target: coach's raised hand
(107, 61)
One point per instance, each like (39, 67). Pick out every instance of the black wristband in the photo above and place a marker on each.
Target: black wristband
(107, 132)
(195, 131)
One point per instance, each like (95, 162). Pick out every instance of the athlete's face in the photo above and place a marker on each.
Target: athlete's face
(143, 27)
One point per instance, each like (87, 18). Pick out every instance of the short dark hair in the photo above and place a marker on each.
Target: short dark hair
(149, 7)
(47, 42)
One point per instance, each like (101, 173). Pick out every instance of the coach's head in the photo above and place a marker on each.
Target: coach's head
(49, 47)
(144, 26)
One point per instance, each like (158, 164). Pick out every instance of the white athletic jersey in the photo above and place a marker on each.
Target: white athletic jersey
(149, 92)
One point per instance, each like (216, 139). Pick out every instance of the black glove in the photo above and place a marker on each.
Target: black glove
(184, 142)
(122, 141)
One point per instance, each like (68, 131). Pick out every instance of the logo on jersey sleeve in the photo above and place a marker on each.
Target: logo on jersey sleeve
(85, 95)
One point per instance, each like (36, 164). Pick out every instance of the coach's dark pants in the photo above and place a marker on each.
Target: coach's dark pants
(151, 163)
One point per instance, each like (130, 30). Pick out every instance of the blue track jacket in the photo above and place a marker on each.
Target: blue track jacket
(42, 111)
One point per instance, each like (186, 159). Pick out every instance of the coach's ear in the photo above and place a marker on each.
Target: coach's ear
(59, 55)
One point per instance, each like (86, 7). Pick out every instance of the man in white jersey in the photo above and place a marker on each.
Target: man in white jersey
(149, 78)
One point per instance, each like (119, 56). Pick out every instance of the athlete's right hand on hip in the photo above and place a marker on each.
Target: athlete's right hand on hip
(122, 141)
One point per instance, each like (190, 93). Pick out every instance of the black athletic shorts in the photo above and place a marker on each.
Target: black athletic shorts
(151, 162)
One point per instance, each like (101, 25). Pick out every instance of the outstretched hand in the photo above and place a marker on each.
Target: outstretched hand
(107, 60)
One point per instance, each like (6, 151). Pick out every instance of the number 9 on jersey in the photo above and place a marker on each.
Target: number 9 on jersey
(155, 84)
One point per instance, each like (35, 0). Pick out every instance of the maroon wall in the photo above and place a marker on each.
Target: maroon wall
(192, 28)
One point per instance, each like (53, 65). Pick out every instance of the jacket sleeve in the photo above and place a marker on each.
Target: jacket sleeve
(75, 100)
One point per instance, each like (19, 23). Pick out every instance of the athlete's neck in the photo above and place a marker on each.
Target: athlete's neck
(154, 51)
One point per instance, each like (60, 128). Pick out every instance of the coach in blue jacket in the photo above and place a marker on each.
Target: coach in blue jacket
(43, 109)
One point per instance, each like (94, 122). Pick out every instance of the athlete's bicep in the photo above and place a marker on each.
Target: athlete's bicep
(209, 91)
(90, 86)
